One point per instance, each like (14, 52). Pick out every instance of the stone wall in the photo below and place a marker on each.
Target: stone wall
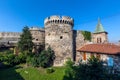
(38, 35)
(11, 37)
(59, 36)
(78, 41)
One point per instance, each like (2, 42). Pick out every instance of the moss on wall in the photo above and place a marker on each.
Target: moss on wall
(87, 35)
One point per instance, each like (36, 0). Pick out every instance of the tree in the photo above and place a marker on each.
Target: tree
(93, 70)
(46, 58)
(69, 72)
(25, 43)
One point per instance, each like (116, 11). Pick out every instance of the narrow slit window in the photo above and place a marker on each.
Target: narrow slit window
(61, 37)
(36, 39)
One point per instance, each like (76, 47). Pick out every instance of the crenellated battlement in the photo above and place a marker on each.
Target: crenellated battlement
(10, 34)
(59, 20)
(36, 29)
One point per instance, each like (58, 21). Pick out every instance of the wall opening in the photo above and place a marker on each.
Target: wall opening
(36, 39)
(61, 37)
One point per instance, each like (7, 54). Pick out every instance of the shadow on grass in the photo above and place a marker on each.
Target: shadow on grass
(9, 73)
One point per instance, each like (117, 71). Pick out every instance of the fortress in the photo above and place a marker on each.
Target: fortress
(58, 33)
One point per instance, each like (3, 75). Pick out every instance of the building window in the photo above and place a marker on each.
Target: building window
(99, 40)
(98, 56)
(84, 56)
(61, 37)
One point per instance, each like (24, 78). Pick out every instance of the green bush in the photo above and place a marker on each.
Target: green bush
(69, 63)
(11, 59)
(34, 62)
(8, 52)
(87, 35)
(93, 70)
(46, 58)
(28, 60)
(50, 70)
(22, 58)
(69, 72)
(1, 58)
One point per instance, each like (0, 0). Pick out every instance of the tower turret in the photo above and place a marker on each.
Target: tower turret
(59, 36)
(100, 35)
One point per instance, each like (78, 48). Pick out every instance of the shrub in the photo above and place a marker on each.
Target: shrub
(46, 58)
(28, 60)
(69, 72)
(9, 52)
(34, 62)
(50, 70)
(22, 58)
(1, 58)
(69, 63)
(93, 70)
(9, 59)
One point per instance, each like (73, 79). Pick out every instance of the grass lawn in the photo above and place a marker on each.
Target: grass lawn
(30, 73)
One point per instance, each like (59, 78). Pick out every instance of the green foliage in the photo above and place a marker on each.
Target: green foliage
(87, 35)
(6, 51)
(1, 57)
(94, 70)
(25, 43)
(46, 58)
(32, 60)
(11, 59)
(28, 60)
(50, 70)
(69, 72)
(69, 63)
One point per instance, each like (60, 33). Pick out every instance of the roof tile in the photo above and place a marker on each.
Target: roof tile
(101, 48)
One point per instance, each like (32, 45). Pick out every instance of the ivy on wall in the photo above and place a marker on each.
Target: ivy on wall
(87, 35)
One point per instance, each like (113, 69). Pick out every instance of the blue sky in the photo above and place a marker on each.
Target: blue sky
(15, 14)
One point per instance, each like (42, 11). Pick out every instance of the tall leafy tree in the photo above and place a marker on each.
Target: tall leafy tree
(25, 43)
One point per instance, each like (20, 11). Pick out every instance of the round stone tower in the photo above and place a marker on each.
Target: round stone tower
(38, 35)
(59, 36)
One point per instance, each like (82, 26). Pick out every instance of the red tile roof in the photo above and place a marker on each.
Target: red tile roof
(101, 48)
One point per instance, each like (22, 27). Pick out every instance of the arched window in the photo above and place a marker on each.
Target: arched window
(99, 40)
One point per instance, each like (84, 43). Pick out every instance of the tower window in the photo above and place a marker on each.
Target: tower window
(99, 40)
(61, 37)
(36, 39)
